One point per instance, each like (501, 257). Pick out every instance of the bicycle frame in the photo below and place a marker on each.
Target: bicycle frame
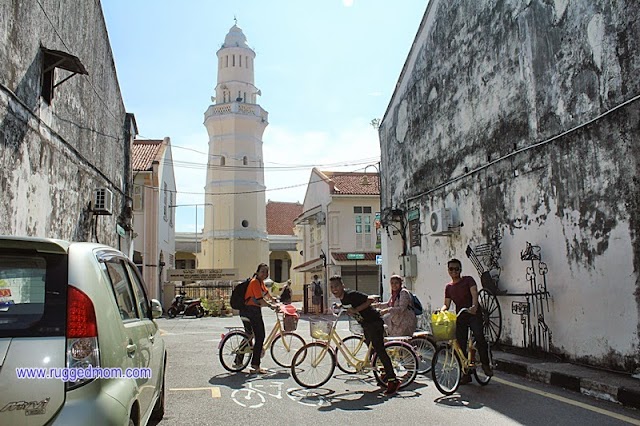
(268, 341)
(361, 366)
(465, 360)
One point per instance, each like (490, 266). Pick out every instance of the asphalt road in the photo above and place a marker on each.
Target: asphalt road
(201, 392)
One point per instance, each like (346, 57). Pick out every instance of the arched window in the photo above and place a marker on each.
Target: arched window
(245, 160)
(222, 160)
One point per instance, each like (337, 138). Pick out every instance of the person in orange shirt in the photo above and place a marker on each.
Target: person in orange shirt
(256, 297)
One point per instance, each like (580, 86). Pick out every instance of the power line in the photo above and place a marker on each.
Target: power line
(246, 192)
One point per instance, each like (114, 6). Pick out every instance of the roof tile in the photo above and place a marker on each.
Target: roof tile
(144, 153)
(280, 217)
(353, 183)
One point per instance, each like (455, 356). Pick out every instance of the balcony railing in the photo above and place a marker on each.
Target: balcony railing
(237, 108)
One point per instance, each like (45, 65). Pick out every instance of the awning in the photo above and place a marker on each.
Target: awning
(305, 216)
(63, 60)
(342, 258)
(310, 266)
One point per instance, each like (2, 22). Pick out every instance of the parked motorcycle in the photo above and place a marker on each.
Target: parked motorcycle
(183, 306)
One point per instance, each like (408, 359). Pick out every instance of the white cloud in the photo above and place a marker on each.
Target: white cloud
(347, 3)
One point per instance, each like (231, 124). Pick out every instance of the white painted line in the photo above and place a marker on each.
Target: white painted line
(570, 401)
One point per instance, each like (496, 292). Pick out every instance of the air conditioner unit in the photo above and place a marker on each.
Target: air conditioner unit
(440, 221)
(102, 201)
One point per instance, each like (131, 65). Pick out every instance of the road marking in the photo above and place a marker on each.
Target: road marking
(215, 391)
(570, 401)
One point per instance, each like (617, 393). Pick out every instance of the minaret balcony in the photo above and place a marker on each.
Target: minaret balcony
(236, 108)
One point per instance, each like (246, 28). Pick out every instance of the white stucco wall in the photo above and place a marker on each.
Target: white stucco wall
(523, 120)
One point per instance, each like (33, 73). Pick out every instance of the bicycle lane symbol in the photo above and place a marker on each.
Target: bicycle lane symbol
(253, 395)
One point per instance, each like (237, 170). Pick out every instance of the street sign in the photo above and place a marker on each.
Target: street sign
(201, 274)
(378, 259)
(355, 256)
(413, 214)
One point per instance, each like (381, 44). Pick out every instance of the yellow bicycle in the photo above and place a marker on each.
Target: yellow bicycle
(313, 364)
(236, 346)
(449, 363)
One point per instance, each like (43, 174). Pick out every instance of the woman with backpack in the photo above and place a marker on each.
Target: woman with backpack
(398, 313)
(256, 297)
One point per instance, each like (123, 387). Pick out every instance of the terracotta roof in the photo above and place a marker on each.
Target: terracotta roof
(144, 153)
(280, 217)
(342, 257)
(354, 183)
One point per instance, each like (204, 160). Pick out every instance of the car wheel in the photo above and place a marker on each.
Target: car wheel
(158, 409)
(172, 312)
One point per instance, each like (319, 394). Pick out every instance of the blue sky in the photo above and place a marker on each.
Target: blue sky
(326, 68)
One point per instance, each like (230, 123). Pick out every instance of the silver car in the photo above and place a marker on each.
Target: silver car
(78, 340)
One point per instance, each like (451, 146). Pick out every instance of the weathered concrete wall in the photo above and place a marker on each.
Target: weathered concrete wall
(53, 157)
(522, 116)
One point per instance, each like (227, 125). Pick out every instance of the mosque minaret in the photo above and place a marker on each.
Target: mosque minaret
(235, 234)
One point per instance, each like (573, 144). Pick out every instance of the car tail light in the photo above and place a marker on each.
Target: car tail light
(82, 335)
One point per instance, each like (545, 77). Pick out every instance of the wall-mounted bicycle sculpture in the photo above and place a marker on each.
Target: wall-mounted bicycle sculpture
(536, 333)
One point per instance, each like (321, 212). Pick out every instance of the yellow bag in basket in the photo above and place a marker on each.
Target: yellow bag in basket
(443, 325)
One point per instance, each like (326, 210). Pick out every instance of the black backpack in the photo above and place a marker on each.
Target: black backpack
(238, 293)
(417, 306)
(317, 289)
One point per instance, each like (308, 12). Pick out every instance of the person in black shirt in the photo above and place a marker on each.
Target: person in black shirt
(285, 296)
(371, 322)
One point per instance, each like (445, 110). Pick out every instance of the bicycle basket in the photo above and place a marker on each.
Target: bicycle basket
(443, 325)
(320, 329)
(290, 322)
(355, 327)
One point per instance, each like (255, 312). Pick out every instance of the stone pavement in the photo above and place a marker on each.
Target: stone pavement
(610, 386)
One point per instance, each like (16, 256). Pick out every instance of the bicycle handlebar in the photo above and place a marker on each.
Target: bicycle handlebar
(459, 313)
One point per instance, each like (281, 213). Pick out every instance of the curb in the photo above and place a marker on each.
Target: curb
(619, 394)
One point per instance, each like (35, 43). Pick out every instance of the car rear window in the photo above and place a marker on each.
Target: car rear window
(32, 293)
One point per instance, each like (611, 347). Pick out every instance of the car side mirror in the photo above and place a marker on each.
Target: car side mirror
(156, 309)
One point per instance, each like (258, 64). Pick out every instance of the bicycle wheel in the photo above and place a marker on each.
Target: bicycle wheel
(235, 351)
(478, 372)
(446, 370)
(404, 361)
(284, 347)
(313, 365)
(425, 349)
(491, 316)
(356, 347)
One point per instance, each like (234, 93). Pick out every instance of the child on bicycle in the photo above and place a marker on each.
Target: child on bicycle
(463, 291)
(372, 325)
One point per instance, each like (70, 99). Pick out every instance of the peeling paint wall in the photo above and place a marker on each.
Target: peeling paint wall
(53, 157)
(523, 118)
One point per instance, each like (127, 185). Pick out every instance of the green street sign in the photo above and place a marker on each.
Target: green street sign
(413, 214)
(355, 256)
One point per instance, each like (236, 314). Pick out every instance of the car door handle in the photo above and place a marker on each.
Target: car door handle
(131, 348)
